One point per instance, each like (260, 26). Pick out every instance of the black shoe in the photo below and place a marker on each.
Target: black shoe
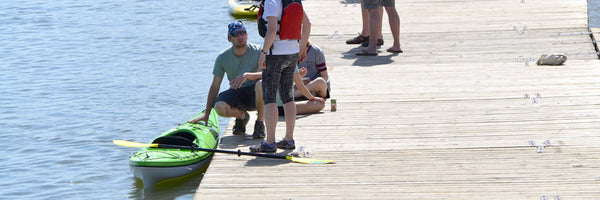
(259, 130)
(366, 43)
(240, 124)
(358, 39)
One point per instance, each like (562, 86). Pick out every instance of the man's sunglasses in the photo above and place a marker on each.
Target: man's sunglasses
(238, 33)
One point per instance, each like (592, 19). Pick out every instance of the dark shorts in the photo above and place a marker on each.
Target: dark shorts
(373, 4)
(242, 98)
(279, 76)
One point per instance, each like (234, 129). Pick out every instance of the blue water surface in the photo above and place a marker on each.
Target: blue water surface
(74, 75)
(594, 13)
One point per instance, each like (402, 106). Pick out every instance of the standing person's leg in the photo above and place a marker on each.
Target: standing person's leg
(394, 20)
(271, 117)
(286, 92)
(375, 26)
(270, 85)
(364, 33)
(380, 37)
(290, 120)
(365, 20)
(375, 30)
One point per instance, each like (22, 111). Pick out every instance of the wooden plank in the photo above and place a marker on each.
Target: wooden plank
(451, 118)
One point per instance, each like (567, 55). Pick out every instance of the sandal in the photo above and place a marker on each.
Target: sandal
(394, 51)
(283, 144)
(358, 39)
(366, 43)
(264, 147)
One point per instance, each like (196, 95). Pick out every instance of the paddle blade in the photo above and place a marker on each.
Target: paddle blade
(133, 144)
(309, 161)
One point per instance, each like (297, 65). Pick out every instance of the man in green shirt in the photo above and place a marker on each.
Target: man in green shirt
(240, 63)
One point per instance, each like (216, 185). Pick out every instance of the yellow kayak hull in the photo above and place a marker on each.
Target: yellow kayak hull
(245, 8)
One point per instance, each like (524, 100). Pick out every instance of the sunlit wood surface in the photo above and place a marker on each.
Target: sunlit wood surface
(464, 113)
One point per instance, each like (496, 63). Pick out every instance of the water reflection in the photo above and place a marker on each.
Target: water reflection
(182, 187)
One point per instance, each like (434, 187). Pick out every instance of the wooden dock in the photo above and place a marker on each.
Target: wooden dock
(464, 113)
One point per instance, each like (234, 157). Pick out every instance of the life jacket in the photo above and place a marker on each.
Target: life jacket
(290, 25)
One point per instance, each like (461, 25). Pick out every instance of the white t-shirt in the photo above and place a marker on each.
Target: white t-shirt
(279, 47)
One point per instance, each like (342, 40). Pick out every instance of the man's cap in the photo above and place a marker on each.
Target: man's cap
(235, 27)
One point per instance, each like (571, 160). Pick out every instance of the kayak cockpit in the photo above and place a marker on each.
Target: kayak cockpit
(181, 137)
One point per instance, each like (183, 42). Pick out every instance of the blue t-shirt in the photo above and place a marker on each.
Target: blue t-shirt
(234, 66)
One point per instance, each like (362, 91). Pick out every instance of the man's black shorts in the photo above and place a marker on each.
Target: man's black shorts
(242, 98)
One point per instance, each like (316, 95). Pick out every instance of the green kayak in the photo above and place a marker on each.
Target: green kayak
(153, 165)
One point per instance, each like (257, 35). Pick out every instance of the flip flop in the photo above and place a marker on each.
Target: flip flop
(365, 53)
(394, 51)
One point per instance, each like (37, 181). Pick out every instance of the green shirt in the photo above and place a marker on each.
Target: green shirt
(234, 66)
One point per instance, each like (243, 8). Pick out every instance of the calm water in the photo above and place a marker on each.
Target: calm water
(74, 75)
(594, 13)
